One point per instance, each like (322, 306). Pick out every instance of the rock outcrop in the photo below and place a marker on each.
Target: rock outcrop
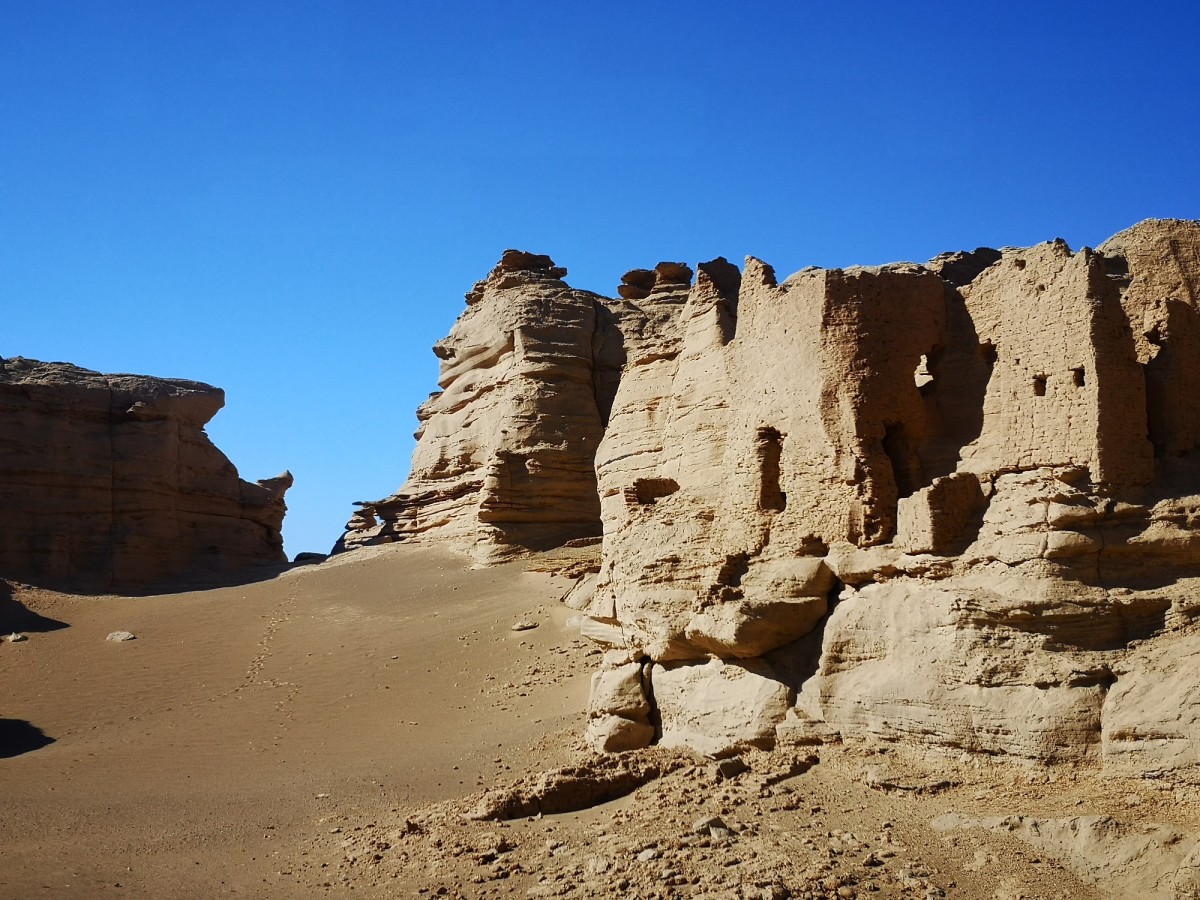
(505, 448)
(109, 481)
(951, 505)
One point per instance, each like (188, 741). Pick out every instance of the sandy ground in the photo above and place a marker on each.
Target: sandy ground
(331, 731)
(192, 760)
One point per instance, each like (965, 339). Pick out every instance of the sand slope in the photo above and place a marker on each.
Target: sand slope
(189, 761)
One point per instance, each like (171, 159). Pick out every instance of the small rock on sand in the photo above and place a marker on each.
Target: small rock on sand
(524, 625)
(121, 636)
(702, 825)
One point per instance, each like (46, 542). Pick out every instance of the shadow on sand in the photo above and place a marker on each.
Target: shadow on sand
(93, 584)
(18, 736)
(15, 616)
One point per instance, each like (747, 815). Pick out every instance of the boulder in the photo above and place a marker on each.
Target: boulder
(716, 707)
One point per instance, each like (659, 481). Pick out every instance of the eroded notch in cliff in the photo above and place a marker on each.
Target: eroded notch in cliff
(769, 450)
(906, 465)
(647, 490)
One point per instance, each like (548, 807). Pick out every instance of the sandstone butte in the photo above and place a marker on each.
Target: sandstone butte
(954, 506)
(110, 482)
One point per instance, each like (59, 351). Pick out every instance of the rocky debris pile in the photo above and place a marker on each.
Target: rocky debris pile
(109, 481)
(1131, 859)
(951, 505)
(786, 825)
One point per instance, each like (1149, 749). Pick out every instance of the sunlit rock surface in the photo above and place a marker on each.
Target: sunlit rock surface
(952, 505)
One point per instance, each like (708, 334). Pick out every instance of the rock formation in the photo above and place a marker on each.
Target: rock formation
(952, 505)
(109, 481)
(505, 448)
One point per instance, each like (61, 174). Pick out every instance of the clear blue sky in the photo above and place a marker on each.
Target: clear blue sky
(288, 200)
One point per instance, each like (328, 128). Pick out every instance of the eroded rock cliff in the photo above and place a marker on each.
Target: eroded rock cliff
(109, 481)
(505, 448)
(952, 505)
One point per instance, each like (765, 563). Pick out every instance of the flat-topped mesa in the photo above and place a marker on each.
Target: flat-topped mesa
(109, 481)
(504, 457)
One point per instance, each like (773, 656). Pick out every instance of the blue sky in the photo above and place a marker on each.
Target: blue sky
(288, 200)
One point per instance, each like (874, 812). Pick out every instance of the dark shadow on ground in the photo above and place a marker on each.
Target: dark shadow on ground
(14, 616)
(196, 580)
(18, 736)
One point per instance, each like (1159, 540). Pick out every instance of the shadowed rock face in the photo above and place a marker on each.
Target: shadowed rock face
(109, 481)
(952, 505)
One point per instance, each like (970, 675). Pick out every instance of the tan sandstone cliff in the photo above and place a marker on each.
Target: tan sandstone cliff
(950, 505)
(109, 481)
(504, 458)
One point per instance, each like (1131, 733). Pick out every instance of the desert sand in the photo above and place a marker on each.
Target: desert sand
(204, 757)
(331, 731)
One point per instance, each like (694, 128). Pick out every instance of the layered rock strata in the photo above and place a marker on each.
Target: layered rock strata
(952, 505)
(109, 481)
(505, 448)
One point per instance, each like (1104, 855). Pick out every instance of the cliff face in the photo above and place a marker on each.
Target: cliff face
(951, 505)
(504, 458)
(109, 481)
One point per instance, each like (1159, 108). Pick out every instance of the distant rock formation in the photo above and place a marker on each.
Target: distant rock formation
(952, 505)
(109, 481)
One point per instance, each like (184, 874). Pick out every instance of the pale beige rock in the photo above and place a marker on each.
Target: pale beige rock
(619, 710)
(1151, 717)
(504, 457)
(953, 506)
(907, 662)
(932, 519)
(972, 452)
(602, 631)
(716, 706)
(1159, 260)
(619, 691)
(1065, 386)
(580, 595)
(749, 628)
(616, 734)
